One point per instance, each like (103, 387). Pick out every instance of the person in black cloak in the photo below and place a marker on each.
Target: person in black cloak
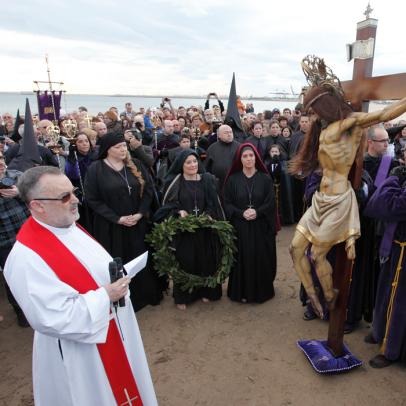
(16, 137)
(28, 154)
(220, 155)
(277, 168)
(257, 139)
(232, 117)
(81, 155)
(120, 196)
(189, 191)
(249, 201)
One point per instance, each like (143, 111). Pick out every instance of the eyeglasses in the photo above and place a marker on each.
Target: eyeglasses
(386, 140)
(63, 199)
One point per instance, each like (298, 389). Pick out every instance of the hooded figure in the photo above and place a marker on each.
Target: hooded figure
(233, 116)
(16, 137)
(190, 191)
(173, 179)
(249, 201)
(28, 154)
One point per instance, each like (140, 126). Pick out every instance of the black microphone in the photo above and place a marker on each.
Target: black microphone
(113, 271)
(120, 274)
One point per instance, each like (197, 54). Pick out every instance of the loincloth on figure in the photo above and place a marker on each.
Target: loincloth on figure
(331, 219)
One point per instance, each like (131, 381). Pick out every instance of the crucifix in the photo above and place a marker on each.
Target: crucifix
(88, 120)
(359, 91)
(368, 11)
(196, 211)
(129, 400)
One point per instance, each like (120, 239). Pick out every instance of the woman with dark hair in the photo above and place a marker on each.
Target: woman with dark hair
(286, 133)
(189, 191)
(81, 156)
(249, 201)
(120, 196)
(257, 139)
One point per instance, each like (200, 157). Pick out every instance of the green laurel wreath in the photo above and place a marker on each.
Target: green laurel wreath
(165, 262)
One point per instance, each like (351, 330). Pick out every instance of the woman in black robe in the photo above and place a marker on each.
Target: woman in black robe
(118, 192)
(250, 207)
(191, 192)
(81, 156)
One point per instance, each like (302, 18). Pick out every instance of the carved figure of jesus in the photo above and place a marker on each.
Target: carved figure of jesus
(333, 141)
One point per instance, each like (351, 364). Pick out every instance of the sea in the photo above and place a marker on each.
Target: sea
(10, 102)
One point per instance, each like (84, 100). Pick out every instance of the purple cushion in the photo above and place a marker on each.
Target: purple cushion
(323, 361)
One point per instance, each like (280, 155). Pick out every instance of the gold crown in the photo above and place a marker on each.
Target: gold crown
(317, 73)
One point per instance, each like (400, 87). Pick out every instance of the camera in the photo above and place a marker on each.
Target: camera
(166, 99)
(7, 183)
(216, 124)
(136, 132)
(138, 125)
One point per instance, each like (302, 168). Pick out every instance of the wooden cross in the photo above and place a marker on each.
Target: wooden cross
(359, 92)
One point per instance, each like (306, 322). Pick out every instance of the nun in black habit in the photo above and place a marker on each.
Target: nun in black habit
(189, 191)
(250, 207)
(118, 192)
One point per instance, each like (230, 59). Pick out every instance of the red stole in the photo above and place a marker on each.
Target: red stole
(69, 270)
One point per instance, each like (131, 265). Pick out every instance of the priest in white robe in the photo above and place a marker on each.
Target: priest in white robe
(86, 350)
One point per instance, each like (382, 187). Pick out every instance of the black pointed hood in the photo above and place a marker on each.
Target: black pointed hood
(16, 136)
(28, 155)
(233, 116)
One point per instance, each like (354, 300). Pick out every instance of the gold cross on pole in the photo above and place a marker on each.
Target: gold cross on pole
(88, 120)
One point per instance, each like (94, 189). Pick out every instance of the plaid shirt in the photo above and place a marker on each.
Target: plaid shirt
(13, 213)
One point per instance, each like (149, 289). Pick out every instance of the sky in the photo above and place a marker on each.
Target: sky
(187, 47)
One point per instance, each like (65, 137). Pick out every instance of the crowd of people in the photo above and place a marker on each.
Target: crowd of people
(137, 167)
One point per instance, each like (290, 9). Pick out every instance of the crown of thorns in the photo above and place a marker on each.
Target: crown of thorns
(317, 73)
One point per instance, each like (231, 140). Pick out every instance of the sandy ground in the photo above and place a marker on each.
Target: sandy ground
(227, 353)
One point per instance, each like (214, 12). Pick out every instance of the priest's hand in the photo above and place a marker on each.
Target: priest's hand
(183, 213)
(10, 192)
(118, 289)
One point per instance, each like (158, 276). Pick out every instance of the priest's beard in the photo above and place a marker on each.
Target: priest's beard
(67, 218)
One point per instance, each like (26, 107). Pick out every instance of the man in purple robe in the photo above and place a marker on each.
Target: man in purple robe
(388, 204)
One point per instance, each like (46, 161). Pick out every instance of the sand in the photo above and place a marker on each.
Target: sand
(227, 353)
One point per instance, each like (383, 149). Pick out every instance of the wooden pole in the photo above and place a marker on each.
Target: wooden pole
(343, 267)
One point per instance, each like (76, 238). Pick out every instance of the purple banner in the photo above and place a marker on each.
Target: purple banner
(46, 107)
